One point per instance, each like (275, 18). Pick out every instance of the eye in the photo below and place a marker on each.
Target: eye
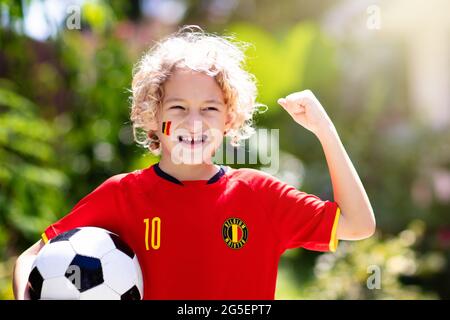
(177, 107)
(211, 109)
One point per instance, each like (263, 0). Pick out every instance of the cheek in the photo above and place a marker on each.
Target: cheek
(167, 144)
(165, 131)
(216, 121)
(166, 127)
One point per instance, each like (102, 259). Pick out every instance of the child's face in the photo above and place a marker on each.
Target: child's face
(193, 117)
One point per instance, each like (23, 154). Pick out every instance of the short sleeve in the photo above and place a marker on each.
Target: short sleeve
(97, 209)
(301, 219)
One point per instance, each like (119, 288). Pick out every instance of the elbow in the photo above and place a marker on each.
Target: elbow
(359, 233)
(367, 226)
(357, 230)
(367, 230)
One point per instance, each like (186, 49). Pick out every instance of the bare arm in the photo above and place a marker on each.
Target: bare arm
(357, 220)
(22, 269)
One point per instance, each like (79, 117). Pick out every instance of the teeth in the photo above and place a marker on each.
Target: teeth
(192, 139)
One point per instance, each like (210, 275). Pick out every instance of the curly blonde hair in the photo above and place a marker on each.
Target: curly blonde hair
(218, 56)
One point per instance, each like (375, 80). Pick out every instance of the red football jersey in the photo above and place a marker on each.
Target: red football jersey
(220, 238)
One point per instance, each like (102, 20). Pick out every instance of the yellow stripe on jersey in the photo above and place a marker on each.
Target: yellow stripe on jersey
(334, 240)
(44, 237)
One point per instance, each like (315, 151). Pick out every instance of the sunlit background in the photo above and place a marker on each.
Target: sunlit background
(380, 68)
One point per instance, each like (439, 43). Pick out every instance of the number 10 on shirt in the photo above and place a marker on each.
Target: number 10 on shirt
(155, 237)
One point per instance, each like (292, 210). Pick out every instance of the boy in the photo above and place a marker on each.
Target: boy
(203, 231)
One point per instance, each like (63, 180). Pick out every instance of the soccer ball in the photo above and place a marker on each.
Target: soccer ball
(86, 263)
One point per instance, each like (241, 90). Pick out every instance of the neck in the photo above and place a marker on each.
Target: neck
(186, 172)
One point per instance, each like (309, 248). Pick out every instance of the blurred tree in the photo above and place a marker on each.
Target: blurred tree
(32, 187)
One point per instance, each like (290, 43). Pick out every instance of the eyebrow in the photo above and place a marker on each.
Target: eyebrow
(206, 101)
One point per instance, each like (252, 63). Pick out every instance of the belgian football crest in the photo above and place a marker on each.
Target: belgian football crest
(235, 233)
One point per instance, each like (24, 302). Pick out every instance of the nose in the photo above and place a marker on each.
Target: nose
(194, 123)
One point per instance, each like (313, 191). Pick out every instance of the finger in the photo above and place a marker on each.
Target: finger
(299, 95)
(305, 97)
(282, 101)
(295, 105)
(292, 107)
(299, 109)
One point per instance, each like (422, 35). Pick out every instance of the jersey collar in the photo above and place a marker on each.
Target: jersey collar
(172, 179)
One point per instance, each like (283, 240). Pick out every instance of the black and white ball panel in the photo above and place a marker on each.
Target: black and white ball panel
(86, 263)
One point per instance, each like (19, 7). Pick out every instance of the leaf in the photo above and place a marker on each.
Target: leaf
(15, 102)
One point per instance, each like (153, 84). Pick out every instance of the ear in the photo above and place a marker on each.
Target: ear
(231, 117)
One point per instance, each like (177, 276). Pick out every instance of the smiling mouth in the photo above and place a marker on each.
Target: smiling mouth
(193, 141)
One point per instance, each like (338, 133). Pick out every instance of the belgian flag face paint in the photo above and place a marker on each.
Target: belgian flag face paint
(166, 127)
